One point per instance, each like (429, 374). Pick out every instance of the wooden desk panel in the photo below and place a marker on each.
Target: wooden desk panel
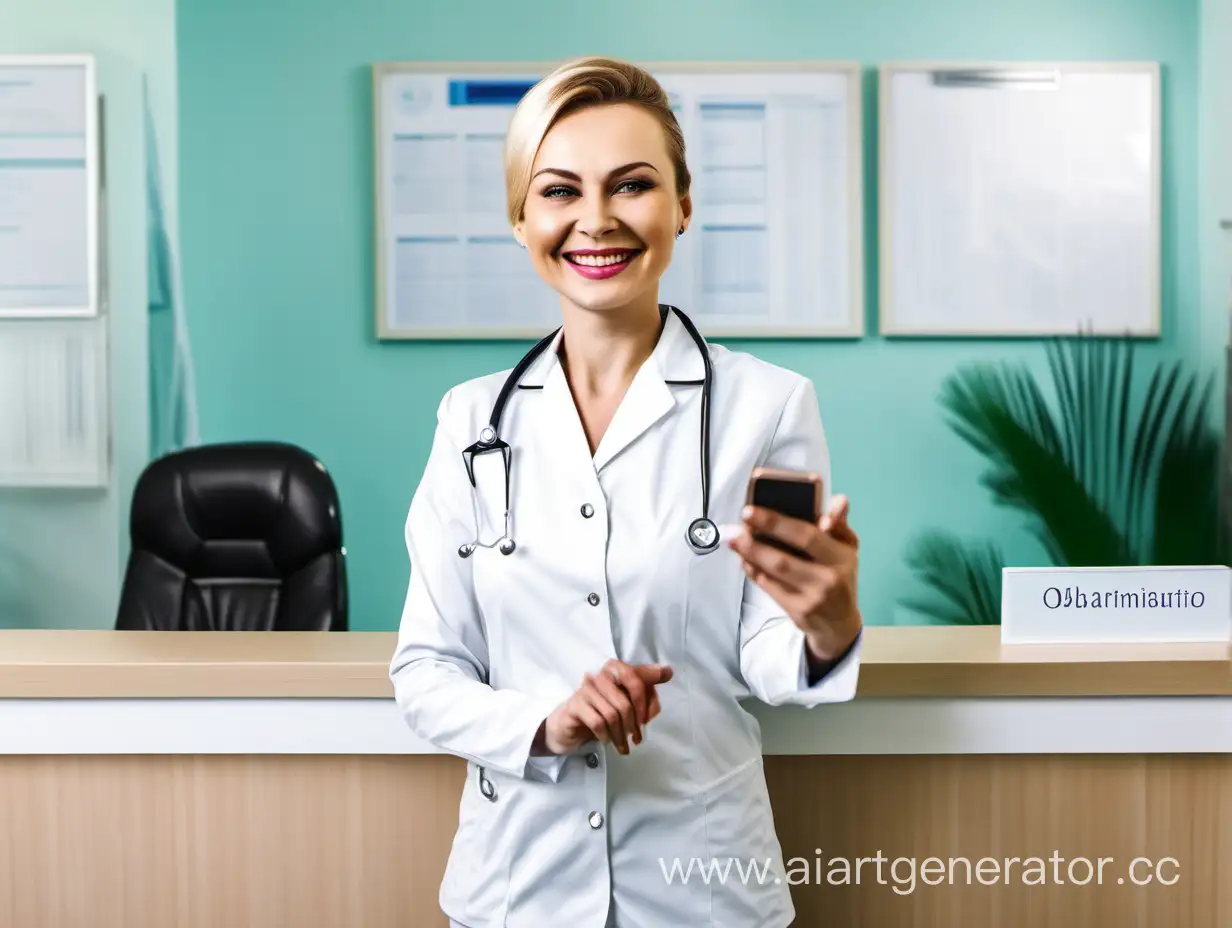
(361, 842)
(1026, 806)
(954, 661)
(225, 842)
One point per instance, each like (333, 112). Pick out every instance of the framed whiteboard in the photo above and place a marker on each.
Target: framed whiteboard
(55, 423)
(49, 186)
(774, 248)
(1020, 199)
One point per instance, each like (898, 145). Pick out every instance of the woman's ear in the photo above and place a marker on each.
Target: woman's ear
(686, 212)
(517, 235)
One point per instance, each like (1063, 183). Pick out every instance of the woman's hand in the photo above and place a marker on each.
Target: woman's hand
(819, 594)
(611, 706)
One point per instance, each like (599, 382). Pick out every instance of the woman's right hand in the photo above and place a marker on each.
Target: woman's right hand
(611, 706)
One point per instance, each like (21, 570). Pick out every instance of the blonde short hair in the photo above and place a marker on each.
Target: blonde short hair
(575, 85)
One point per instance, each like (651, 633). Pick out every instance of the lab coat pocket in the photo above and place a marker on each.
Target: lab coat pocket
(476, 882)
(743, 850)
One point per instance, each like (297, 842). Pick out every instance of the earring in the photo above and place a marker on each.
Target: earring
(680, 232)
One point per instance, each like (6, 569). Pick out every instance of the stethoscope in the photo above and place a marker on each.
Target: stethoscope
(702, 534)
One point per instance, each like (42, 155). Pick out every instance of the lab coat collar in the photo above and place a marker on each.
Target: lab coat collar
(676, 357)
(675, 364)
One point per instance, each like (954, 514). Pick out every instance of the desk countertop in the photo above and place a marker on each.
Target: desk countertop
(937, 661)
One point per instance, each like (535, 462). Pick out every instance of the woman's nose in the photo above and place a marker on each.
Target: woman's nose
(597, 217)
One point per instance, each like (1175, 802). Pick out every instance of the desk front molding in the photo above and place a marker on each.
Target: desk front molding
(929, 661)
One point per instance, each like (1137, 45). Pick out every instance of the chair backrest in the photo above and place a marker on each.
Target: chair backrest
(235, 537)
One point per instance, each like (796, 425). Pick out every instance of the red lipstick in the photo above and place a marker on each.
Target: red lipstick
(600, 263)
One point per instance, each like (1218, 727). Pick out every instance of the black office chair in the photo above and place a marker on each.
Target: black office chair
(235, 537)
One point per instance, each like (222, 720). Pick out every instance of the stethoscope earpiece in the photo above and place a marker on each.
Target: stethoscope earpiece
(507, 547)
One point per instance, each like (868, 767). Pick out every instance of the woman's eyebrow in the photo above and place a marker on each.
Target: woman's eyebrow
(561, 172)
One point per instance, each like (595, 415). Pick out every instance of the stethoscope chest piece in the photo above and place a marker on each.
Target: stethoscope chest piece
(703, 536)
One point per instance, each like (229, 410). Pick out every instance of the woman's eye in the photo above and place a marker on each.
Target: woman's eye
(556, 191)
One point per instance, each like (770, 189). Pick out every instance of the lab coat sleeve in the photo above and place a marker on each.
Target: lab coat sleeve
(440, 666)
(772, 647)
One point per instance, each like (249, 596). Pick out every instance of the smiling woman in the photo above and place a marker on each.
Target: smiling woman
(594, 674)
(605, 193)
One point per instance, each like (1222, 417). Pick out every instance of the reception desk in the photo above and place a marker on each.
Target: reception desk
(194, 780)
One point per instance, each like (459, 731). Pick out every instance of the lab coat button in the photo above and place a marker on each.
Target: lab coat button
(593, 599)
(587, 510)
(596, 820)
(592, 760)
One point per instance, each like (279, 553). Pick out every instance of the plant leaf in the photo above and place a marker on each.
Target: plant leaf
(962, 582)
(1105, 481)
(1030, 471)
(1187, 504)
(1147, 455)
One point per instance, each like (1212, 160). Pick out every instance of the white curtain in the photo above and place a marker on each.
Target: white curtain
(173, 394)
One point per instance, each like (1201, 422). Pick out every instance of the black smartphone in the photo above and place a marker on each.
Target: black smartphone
(793, 493)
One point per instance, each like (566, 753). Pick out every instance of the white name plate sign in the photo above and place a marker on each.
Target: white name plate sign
(1115, 605)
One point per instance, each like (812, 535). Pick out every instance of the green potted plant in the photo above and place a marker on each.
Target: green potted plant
(1104, 476)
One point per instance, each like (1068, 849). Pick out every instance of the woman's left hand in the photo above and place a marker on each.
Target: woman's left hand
(819, 594)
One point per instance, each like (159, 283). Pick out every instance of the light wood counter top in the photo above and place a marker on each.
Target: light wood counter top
(935, 661)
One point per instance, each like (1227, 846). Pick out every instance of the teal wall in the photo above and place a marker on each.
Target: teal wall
(1215, 169)
(277, 232)
(62, 551)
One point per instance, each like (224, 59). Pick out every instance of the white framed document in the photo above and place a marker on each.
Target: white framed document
(1020, 199)
(49, 186)
(55, 419)
(774, 248)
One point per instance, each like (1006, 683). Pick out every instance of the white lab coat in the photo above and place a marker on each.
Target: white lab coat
(488, 646)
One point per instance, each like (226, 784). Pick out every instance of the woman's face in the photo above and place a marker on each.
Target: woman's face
(602, 212)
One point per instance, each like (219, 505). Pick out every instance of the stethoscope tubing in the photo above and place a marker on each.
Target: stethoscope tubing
(702, 534)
